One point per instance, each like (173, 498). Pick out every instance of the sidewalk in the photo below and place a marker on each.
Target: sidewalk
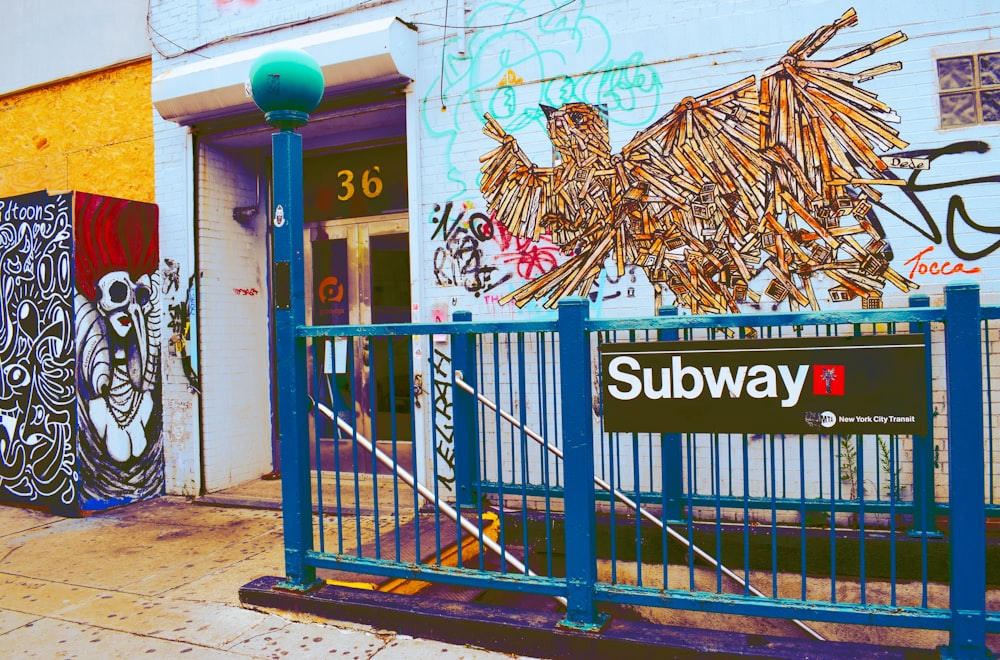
(162, 577)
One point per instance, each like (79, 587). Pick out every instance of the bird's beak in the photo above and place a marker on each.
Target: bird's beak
(547, 109)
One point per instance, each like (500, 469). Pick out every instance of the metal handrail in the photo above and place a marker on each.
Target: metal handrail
(627, 501)
(426, 493)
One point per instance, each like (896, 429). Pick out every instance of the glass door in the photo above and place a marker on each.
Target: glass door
(358, 273)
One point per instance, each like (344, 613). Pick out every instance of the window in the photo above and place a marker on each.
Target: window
(969, 89)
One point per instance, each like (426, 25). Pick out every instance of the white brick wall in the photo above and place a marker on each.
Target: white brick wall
(233, 323)
(181, 433)
(638, 57)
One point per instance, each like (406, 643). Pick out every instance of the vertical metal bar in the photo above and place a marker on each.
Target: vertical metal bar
(432, 353)
(546, 466)
(356, 399)
(418, 551)
(893, 531)
(988, 391)
(316, 430)
(745, 448)
(580, 540)
(803, 516)
(395, 436)
(498, 433)
(717, 492)
(967, 547)
(859, 450)
(522, 386)
(373, 431)
(611, 463)
(289, 312)
(337, 407)
(463, 355)
(834, 478)
(729, 464)
(670, 448)
(638, 519)
(774, 521)
(481, 501)
(923, 445)
(692, 466)
(556, 409)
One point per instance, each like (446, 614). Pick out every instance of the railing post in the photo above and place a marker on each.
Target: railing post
(923, 445)
(672, 457)
(578, 447)
(966, 468)
(289, 312)
(463, 356)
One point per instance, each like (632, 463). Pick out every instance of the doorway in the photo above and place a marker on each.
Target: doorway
(358, 273)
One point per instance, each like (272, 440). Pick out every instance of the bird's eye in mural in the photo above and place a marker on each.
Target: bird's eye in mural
(576, 118)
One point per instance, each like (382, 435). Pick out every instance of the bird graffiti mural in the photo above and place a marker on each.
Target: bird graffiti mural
(752, 186)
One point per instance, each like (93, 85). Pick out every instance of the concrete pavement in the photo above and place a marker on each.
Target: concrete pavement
(161, 578)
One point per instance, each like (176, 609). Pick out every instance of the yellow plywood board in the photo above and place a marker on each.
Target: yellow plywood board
(91, 133)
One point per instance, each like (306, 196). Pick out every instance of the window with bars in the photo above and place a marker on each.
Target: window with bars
(969, 89)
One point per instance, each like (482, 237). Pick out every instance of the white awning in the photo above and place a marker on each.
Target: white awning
(360, 55)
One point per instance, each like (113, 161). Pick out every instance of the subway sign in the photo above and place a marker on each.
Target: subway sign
(836, 385)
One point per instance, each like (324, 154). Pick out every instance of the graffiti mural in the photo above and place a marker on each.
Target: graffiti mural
(37, 408)
(488, 62)
(444, 426)
(118, 350)
(461, 258)
(752, 191)
(183, 324)
(920, 160)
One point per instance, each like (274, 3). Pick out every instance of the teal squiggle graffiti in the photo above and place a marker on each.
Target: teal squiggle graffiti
(538, 52)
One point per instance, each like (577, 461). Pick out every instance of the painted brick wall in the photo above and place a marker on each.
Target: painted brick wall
(181, 411)
(233, 324)
(691, 50)
(640, 59)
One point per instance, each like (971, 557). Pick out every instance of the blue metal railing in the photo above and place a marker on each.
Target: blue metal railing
(825, 528)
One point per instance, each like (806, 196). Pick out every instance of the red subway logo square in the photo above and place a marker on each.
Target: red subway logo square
(828, 379)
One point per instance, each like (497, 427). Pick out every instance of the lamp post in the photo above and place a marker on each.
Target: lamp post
(287, 85)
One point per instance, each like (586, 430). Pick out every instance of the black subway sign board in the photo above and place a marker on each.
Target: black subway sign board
(838, 385)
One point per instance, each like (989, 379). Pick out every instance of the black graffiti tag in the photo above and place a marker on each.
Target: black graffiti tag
(956, 203)
(444, 427)
(459, 261)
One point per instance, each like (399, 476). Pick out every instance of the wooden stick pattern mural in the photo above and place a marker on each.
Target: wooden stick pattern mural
(771, 182)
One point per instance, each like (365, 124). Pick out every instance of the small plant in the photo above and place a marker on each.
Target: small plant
(894, 489)
(849, 465)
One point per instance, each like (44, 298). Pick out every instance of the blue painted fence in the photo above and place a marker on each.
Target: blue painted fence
(818, 528)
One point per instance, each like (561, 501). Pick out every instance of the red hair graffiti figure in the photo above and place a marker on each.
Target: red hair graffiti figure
(118, 346)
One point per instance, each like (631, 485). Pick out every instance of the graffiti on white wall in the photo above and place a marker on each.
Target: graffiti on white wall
(755, 190)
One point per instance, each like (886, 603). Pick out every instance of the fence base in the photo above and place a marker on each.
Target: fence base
(538, 634)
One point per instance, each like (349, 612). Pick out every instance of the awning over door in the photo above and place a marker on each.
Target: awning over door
(382, 51)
